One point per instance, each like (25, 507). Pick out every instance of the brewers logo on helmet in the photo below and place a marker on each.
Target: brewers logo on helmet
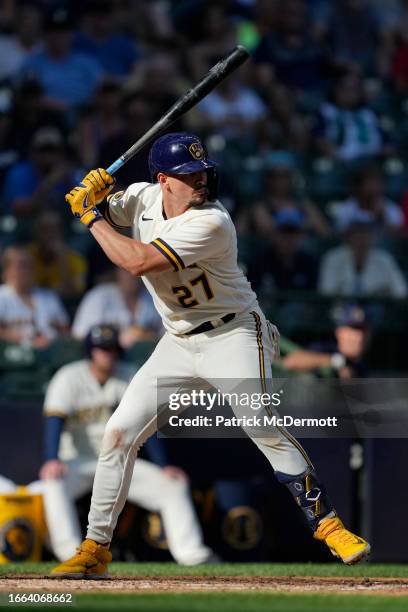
(196, 150)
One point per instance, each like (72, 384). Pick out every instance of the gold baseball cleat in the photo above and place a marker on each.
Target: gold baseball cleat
(342, 543)
(90, 562)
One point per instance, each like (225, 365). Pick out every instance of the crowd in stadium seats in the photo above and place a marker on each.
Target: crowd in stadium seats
(311, 136)
(29, 314)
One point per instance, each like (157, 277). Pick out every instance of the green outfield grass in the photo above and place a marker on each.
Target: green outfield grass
(231, 569)
(241, 602)
(233, 602)
(250, 601)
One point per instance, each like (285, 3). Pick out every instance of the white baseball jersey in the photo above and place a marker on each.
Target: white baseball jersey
(75, 394)
(45, 313)
(201, 244)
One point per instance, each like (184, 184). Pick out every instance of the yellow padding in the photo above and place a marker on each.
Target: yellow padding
(22, 526)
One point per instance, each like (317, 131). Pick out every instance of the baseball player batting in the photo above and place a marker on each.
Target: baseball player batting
(185, 249)
(80, 398)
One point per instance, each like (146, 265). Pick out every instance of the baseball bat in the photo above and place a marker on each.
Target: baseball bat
(215, 75)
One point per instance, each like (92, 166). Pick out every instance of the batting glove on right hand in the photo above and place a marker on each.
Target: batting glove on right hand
(84, 198)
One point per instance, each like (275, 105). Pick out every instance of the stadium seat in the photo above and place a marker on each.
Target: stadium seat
(309, 102)
(24, 386)
(140, 352)
(396, 177)
(8, 230)
(397, 246)
(61, 352)
(16, 357)
(383, 101)
(327, 180)
(247, 246)
(250, 178)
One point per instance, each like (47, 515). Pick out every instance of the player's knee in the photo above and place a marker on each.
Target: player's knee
(273, 441)
(113, 439)
(175, 487)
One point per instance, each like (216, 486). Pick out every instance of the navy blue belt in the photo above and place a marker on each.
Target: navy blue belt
(208, 326)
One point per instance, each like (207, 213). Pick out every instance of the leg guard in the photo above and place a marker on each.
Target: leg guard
(309, 494)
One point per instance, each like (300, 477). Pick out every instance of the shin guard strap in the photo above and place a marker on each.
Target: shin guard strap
(309, 494)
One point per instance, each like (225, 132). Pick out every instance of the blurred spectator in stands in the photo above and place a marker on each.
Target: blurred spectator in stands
(210, 34)
(69, 78)
(138, 119)
(28, 314)
(292, 128)
(31, 113)
(404, 207)
(289, 54)
(369, 196)
(345, 355)
(284, 263)
(400, 59)
(116, 53)
(352, 34)
(320, 16)
(99, 265)
(232, 110)
(391, 15)
(22, 40)
(41, 181)
(56, 266)
(101, 122)
(263, 15)
(160, 81)
(400, 68)
(149, 22)
(7, 14)
(124, 303)
(282, 193)
(356, 268)
(346, 128)
(8, 151)
(393, 20)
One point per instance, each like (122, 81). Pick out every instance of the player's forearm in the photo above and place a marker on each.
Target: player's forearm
(10, 335)
(121, 250)
(134, 256)
(304, 361)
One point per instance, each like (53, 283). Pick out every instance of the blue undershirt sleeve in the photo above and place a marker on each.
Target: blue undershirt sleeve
(53, 427)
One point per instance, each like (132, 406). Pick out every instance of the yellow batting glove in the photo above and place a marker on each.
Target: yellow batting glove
(90, 192)
(82, 202)
(100, 182)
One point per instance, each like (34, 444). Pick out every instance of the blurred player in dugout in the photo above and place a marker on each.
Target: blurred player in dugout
(345, 356)
(80, 398)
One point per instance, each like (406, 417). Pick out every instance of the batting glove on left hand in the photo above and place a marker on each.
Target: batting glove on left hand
(100, 182)
(84, 198)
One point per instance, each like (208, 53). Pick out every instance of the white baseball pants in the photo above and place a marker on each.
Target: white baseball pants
(150, 488)
(241, 349)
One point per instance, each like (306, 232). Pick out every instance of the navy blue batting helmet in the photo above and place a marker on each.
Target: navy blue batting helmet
(178, 153)
(350, 315)
(104, 337)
